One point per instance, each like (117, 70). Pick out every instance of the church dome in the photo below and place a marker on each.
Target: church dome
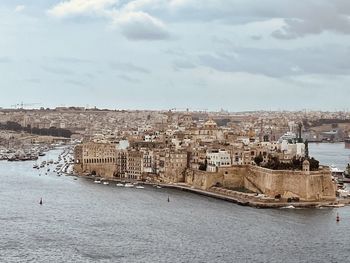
(210, 124)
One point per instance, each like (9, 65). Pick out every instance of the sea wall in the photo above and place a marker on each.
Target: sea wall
(231, 177)
(307, 186)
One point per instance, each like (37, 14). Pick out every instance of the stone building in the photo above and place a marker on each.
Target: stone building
(96, 159)
(122, 158)
(175, 164)
(134, 164)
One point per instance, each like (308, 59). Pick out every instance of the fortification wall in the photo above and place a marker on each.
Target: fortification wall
(312, 186)
(307, 186)
(231, 177)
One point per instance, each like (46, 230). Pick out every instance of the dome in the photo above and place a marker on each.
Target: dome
(306, 162)
(210, 124)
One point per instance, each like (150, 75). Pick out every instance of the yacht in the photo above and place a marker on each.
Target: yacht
(128, 185)
(140, 187)
(119, 185)
(337, 173)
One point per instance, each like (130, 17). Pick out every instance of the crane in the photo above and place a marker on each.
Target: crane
(188, 109)
(22, 105)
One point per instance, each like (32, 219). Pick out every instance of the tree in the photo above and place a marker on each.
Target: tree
(307, 149)
(258, 159)
(314, 164)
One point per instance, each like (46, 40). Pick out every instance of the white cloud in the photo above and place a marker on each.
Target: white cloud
(80, 7)
(141, 26)
(19, 8)
(134, 24)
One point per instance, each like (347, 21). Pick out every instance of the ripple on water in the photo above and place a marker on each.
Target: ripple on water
(84, 222)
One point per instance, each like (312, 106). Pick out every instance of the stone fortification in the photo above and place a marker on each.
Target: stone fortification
(304, 185)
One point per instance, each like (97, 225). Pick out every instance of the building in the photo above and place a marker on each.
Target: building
(99, 159)
(218, 158)
(134, 164)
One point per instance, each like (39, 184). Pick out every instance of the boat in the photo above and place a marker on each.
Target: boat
(347, 143)
(336, 172)
(288, 207)
(106, 183)
(334, 205)
(120, 185)
(140, 187)
(158, 187)
(128, 185)
(97, 181)
(343, 193)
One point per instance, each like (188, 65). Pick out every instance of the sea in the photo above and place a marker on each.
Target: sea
(80, 221)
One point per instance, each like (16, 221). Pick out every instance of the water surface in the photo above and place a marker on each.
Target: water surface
(84, 222)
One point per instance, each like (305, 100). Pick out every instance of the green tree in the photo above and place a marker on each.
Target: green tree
(258, 159)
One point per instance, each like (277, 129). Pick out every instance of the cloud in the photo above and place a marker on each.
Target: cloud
(74, 82)
(279, 63)
(128, 78)
(80, 7)
(183, 64)
(141, 26)
(133, 24)
(33, 80)
(128, 67)
(58, 70)
(72, 60)
(19, 8)
(301, 18)
(5, 60)
(256, 37)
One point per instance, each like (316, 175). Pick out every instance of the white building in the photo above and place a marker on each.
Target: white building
(218, 158)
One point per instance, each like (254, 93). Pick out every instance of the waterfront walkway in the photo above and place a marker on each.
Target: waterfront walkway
(241, 198)
(247, 199)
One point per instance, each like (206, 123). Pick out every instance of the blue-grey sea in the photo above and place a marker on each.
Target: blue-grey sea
(80, 221)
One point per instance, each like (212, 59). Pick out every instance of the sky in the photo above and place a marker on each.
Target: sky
(234, 55)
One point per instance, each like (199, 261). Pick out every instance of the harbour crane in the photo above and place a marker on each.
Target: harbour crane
(22, 105)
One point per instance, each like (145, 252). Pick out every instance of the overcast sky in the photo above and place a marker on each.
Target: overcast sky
(161, 54)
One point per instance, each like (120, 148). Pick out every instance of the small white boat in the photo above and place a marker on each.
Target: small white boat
(97, 181)
(120, 185)
(128, 185)
(288, 207)
(343, 193)
(106, 183)
(158, 187)
(334, 205)
(140, 187)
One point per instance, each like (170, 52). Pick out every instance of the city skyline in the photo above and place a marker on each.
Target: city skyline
(176, 54)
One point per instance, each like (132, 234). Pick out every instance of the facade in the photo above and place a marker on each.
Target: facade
(218, 158)
(134, 164)
(98, 159)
